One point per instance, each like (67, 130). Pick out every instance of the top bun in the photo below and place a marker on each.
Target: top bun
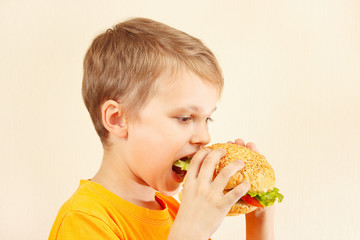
(257, 171)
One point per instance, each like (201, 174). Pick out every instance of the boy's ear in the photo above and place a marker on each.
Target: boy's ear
(113, 118)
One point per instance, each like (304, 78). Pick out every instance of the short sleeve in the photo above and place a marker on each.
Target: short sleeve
(78, 225)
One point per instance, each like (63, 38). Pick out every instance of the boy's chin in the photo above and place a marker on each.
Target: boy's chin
(170, 192)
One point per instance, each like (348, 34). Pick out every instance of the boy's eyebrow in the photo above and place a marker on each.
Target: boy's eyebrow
(193, 108)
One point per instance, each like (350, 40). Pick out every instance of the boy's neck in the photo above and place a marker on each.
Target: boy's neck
(118, 179)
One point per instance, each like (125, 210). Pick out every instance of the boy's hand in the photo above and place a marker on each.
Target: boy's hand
(241, 142)
(203, 203)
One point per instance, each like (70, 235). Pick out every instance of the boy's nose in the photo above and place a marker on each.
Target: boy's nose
(201, 136)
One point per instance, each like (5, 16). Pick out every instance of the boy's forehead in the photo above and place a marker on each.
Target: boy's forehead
(173, 82)
(185, 90)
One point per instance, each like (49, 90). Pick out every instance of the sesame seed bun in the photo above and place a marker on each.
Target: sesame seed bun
(257, 172)
(240, 208)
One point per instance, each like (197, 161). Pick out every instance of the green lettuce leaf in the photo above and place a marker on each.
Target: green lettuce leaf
(268, 198)
(183, 165)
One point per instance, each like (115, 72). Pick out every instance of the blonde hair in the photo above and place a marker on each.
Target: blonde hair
(124, 62)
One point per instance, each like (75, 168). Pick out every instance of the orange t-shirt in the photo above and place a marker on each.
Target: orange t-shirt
(94, 212)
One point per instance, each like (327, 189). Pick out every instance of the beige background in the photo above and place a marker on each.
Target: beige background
(292, 71)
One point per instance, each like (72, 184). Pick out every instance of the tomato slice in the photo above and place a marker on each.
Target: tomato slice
(251, 200)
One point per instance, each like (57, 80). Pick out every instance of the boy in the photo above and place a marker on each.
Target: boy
(150, 91)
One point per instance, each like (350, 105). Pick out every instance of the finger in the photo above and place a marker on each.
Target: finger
(208, 165)
(195, 163)
(226, 173)
(235, 194)
(239, 141)
(252, 146)
(230, 142)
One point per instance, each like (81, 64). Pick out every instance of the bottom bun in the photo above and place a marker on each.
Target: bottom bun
(240, 208)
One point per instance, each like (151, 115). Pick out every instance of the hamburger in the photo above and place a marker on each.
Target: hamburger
(256, 171)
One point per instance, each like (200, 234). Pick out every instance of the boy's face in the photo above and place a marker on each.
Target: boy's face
(172, 125)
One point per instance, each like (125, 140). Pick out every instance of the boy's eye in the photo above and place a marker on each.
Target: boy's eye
(184, 119)
(187, 119)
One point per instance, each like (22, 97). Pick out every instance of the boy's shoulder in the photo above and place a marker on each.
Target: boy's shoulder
(86, 208)
(87, 199)
(93, 205)
(92, 199)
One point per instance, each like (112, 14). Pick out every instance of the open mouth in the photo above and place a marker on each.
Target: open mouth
(181, 166)
(180, 173)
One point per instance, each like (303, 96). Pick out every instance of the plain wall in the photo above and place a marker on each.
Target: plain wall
(292, 83)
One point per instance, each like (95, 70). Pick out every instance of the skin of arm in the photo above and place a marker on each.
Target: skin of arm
(260, 224)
